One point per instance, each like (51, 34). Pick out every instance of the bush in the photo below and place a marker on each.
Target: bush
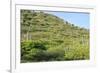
(39, 45)
(32, 51)
(77, 54)
(55, 54)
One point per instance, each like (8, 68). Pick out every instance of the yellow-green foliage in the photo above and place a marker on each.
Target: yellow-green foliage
(45, 37)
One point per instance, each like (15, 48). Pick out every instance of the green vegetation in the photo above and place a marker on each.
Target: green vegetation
(45, 37)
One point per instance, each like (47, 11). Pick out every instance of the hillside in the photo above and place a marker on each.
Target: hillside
(45, 37)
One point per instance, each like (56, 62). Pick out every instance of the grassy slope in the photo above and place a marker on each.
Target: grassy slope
(60, 38)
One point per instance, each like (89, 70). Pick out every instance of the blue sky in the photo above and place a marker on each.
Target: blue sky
(77, 18)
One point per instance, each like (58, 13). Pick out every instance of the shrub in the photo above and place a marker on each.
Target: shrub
(32, 51)
(77, 54)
